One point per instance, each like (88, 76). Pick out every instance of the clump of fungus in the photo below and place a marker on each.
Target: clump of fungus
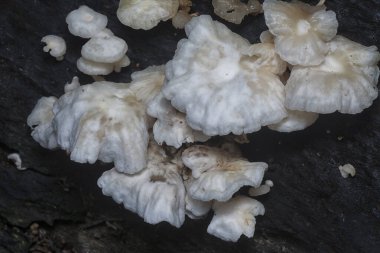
(217, 84)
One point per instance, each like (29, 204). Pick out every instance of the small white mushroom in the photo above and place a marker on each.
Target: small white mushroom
(16, 159)
(262, 189)
(345, 81)
(156, 193)
(347, 170)
(301, 30)
(55, 45)
(234, 218)
(217, 174)
(85, 22)
(104, 47)
(40, 121)
(171, 126)
(235, 10)
(146, 14)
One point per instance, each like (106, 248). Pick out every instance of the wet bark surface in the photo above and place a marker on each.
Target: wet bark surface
(55, 205)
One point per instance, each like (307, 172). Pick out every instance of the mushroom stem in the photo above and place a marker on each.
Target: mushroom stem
(321, 2)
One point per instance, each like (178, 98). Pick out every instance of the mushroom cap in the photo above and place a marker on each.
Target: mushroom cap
(196, 209)
(94, 68)
(104, 47)
(89, 122)
(295, 121)
(55, 45)
(218, 175)
(171, 126)
(345, 82)
(234, 10)
(147, 83)
(156, 194)
(85, 22)
(146, 14)
(220, 89)
(301, 30)
(234, 218)
(40, 121)
(123, 62)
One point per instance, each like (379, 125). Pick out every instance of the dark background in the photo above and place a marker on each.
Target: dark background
(55, 205)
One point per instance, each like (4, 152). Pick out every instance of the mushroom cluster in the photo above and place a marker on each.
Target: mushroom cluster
(172, 132)
(104, 52)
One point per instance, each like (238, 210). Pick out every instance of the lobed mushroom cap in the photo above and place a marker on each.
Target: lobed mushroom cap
(146, 14)
(234, 10)
(345, 81)
(218, 175)
(156, 193)
(90, 123)
(85, 22)
(234, 218)
(301, 30)
(220, 89)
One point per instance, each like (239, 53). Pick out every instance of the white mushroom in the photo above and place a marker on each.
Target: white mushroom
(104, 47)
(217, 174)
(157, 193)
(347, 170)
(219, 88)
(123, 62)
(262, 189)
(146, 14)
(235, 10)
(301, 30)
(295, 121)
(55, 45)
(94, 68)
(85, 22)
(234, 218)
(90, 123)
(171, 126)
(196, 209)
(345, 81)
(40, 121)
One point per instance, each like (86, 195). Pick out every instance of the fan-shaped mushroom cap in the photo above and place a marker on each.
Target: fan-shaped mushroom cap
(102, 121)
(301, 30)
(345, 82)
(217, 174)
(104, 47)
(146, 14)
(234, 218)
(40, 120)
(157, 193)
(85, 22)
(220, 89)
